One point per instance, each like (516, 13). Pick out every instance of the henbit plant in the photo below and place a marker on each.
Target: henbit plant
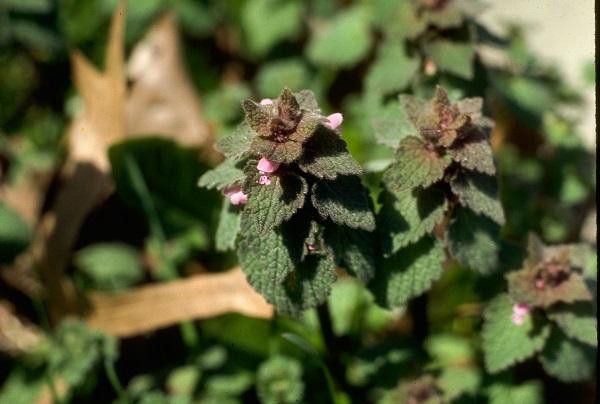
(549, 312)
(439, 195)
(296, 207)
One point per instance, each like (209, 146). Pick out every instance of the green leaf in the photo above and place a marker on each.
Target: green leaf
(391, 125)
(270, 205)
(403, 22)
(326, 156)
(526, 393)
(474, 153)
(223, 175)
(577, 321)
(456, 381)
(345, 201)
(392, 71)
(237, 143)
(228, 227)
(276, 75)
(15, 234)
(478, 192)
(567, 360)
(110, 266)
(504, 343)
(272, 264)
(182, 381)
(354, 250)
(473, 241)
(28, 6)
(408, 273)
(284, 153)
(416, 165)
(405, 217)
(279, 381)
(284, 22)
(342, 41)
(170, 173)
(452, 57)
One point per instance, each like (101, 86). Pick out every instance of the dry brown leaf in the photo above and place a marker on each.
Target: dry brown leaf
(162, 99)
(16, 335)
(197, 297)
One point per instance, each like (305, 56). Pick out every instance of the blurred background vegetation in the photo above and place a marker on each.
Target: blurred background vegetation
(111, 286)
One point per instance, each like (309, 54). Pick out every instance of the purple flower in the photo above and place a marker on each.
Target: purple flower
(334, 120)
(264, 180)
(266, 101)
(235, 195)
(267, 166)
(520, 312)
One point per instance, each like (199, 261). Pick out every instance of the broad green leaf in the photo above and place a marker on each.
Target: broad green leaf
(221, 176)
(110, 266)
(479, 192)
(228, 227)
(279, 381)
(170, 174)
(449, 349)
(408, 273)
(567, 360)
(456, 381)
(473, 241)
(284, 22)
(416, 165)
(354, 250)
(182, 381)
(22, 386)
(272, 263)
(391, 125)
(452, 57)
(405, 217)
(345, 201)
(527, 393)
(577, 321)
(237, 143)
(270, 205)
(223, 104)
(342, 41)
(504, 343)
(284, 152)
(402, 22)
(276, 75)
(392, 71)
(326, 156)
(15, 234)
(225, 385)
(28, 6)
(474, 153)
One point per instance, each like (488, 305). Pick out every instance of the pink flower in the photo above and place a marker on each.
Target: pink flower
(235, 195)
(266, 101)
(267, 166)
(264, 180)
(311, 247)
(335, 120)
(520, 312)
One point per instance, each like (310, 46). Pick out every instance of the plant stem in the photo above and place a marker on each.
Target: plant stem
(113, 378)
(331, 345)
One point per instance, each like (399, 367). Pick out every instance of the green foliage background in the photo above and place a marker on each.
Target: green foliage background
(356, 56)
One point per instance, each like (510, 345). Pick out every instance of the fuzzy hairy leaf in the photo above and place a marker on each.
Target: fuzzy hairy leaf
(391, 125)
(345, 201)
(577, 321)
(415, 166)
(392, 71)
(221, 176)
(326, 156)
(474, 153)
(343, 41)
(504, 343)
(279, 381)
(405, 217)
(479, 193)
(567, 360)
(473, 241)
(307, 100)
(283, 153)
(228, 227)
(258, 117)
(237, 143)
(452, 57)
(354, 250)
(270, 205)
(409, 273)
